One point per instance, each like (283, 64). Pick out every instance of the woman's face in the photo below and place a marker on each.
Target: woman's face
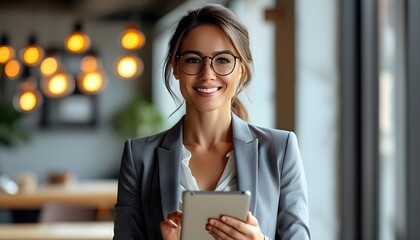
(207, 91)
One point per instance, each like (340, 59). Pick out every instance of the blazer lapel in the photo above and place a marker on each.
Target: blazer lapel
(169, 160)
(246, 158)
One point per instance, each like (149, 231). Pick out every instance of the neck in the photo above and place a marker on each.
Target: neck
(207, 129)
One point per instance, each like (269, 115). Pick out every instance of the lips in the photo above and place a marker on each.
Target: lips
(207, 90)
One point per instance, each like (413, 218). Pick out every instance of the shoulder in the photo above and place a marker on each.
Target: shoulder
(278, 137)
(150, 139)
(269, 132)
(141, 147)
(247, 132)
(275, 139)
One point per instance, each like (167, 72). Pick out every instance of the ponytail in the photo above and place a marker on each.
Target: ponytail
(239, 109)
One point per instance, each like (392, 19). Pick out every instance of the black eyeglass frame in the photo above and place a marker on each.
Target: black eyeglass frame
(178, 57)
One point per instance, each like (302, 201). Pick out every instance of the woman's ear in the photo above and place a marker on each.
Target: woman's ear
(175, 69)
(241, 71)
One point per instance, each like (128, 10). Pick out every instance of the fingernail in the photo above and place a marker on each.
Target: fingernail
(208, 228)
(173, 224)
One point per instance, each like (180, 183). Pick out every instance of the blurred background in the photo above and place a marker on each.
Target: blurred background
(77, 78)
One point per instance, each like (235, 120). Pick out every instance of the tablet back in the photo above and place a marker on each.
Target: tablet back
(199, 206)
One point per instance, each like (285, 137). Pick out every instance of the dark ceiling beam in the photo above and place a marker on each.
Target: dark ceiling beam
(147, 14)
(39, 4)
(145, 11)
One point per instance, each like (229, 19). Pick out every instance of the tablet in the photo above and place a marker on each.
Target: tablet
(199, 206)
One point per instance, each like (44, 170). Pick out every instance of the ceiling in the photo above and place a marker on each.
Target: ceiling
(146, 10)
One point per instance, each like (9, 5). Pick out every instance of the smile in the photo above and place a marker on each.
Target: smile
(207, 90)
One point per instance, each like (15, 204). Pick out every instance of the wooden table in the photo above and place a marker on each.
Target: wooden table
(99, 193)
(58, 231)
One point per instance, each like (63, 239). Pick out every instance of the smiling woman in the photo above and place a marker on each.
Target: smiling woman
(212, 147)
(206, 67)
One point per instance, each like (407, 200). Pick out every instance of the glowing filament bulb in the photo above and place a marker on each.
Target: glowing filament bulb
(49, 66)
(129, 67)
(6, 53)
(58, 84)
(92, 82)
(12, 69)
(32, 55)
(89, 64)
(77, 42)
(133, 39)
(27, 98)
(27, 101)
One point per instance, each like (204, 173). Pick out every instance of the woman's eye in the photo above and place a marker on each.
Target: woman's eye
(192, 60)
(222, 60)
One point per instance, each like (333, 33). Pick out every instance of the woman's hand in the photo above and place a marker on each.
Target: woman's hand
(171, 227)
(227, 228)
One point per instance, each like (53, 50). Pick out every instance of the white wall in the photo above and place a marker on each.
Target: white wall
(261, 94)
(318, 111)
(90, 153)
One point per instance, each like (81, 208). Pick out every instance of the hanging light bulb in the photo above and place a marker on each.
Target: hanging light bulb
(77, 41)
(92, 82)
(13, 69)
(90, 64)
(32, 54)
(59, 85)
(27, 97)
(129, 66)
(7, 53)
(92, 79)
(132, 38)
(49, 66)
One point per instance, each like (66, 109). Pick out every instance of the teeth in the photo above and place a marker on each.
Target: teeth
(207, 90)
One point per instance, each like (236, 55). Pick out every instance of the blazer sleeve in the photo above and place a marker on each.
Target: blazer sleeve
(129, 222)
(292, 218)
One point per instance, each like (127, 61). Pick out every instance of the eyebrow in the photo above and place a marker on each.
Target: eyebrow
(201, 54)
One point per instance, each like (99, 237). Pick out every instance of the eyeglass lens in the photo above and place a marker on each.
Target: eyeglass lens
(222, 63)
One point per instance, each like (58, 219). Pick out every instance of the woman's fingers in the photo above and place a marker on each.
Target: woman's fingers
(171, 227)
(252, 220)
(175, 217)
(225, 228)
(231, 228)
(220, 235)
(171, 223)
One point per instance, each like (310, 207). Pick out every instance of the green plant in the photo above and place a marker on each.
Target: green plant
(10, 133)
(139, 118)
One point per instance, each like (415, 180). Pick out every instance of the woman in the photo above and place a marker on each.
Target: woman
(212, 147)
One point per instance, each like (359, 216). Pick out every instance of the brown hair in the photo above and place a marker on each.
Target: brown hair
(237, 33)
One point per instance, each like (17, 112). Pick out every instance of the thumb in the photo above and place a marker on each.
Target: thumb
(251, 219)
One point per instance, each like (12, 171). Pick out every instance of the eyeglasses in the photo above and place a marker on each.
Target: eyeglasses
(222, 63)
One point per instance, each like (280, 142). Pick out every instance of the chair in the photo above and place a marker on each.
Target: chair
(66, 212)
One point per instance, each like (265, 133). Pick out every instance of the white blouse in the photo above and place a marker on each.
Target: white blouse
(227, 181)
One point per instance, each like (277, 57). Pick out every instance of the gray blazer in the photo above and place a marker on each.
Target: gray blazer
(268, 165)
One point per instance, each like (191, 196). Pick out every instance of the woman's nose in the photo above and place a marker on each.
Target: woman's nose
(207, 72)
